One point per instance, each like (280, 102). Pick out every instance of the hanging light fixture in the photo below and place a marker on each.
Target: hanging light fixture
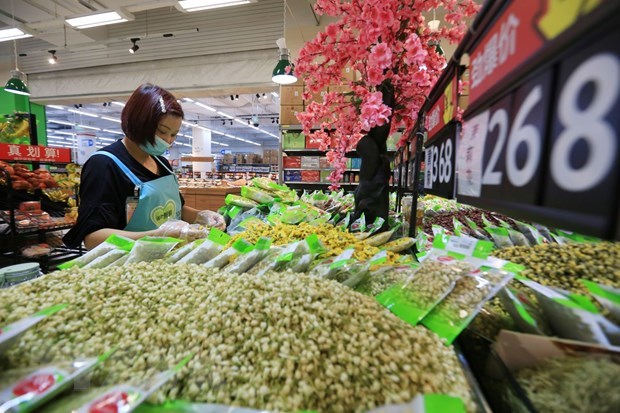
(283, 73)
(135, 47)
(16, 83)
(53, 58)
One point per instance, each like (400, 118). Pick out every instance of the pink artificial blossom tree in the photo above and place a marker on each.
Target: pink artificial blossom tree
(390, 45)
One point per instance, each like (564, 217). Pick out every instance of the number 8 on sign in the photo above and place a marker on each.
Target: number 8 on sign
(603, 70)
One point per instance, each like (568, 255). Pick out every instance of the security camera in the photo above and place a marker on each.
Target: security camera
(255, 121)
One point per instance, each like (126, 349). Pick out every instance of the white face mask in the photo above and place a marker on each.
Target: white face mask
(156, 149)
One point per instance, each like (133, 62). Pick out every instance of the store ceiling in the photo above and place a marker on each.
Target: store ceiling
(246, 28)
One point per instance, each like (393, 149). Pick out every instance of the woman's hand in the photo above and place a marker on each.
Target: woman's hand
(210, 219)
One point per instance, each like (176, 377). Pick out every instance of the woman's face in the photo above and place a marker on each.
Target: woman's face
(168, 127)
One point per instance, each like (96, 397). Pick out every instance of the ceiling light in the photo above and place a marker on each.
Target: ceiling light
(111, 119)
(121, 104)
(275, 95)
(283, 73)
(88, 127)
(113, 131)
(106, 139)
(55, 107)
(202, 105)
(13, 33)
(65, 133)
(53, 58)
(16, 83)
(79, 112)
(99, 19)
(135, 47)
(197, 5)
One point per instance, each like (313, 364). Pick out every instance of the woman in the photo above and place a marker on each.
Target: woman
(128, 188)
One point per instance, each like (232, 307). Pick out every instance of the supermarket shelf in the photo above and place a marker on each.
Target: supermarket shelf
(320, 183)
(310, 152)
(318, 169)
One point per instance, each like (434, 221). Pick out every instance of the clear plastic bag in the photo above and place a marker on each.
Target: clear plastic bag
(179, 253)
(229, 254)
(204, 252)
(148, 249)
(113, 242)
(247, 260)
(172, 228)
(107, 259)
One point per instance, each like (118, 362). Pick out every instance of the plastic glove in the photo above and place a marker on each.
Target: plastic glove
(210, 219)
(194, 231)
(172, 228)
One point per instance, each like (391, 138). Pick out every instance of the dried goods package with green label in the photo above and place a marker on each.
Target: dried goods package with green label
(113, 242)
(207, 249)
(248, 259)
(450, 317)
(228, 255)
(176, 255)
(149, 249)
(106, 259)
(426, 403)
(430, 283)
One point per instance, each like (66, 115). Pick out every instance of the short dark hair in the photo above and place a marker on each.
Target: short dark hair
(143, 111)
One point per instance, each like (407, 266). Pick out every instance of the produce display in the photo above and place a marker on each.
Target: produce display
(282, 341)
(573, 384)
(15, 129)
(563, 265)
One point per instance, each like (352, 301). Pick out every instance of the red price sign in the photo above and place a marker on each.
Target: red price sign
(522, 29)
(444, 109)
(34, 153)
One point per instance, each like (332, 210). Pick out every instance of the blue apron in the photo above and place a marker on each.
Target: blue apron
(159, 199)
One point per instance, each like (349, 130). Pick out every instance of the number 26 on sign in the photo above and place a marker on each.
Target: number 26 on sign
(579, 123)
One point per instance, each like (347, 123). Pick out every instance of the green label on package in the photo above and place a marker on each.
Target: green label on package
(219, 237)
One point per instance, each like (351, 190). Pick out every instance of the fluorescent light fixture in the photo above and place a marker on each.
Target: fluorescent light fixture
(113, 131)
(13, 33)
(60, 122)
(121, 104)
(241, 121)
(89, 127)
(218, 143)
(202, 105)
(99, 19)
(107, 139)
(224, 114)
(79, 112)
(111, 119)
(65, 133)
(275, 95)
(55, 107)
(196, 5)
(188, 100)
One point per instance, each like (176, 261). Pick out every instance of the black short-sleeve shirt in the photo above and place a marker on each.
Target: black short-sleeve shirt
(104, 189)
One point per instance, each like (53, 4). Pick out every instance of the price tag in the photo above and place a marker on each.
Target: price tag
(585, 149)
(439, 174)
(502, 147)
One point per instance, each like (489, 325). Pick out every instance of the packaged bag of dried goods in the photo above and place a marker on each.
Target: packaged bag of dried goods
(341, 267)
(531, 233)
(229, 254)
(127, 397)
(107, 259)
(293, 215)
(380, 238)
(359, 225)
(256, 195)
(399, 245)
(207, 249)
(268, 262)
(426, 403)
(176, 255)
(11, 332)
(33, 390)
(475, 230)
(344, 221)
(573, 316)
(148, 249)
(120, 262)
(361, 277)
(113, 242)
(524, 312)
(426, 287)
(500, 236)
(454, 313)
(232, 199)
(248, 259)
(517, 238)
(607, 296)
